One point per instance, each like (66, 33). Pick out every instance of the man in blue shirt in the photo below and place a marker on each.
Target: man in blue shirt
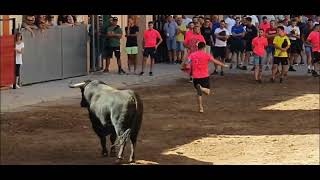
(170, 29)
(237, 46)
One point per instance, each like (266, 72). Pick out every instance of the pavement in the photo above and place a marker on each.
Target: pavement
(54, 90)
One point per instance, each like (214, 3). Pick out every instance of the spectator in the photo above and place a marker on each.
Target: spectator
(132, 44)
(61, 19)
(314, 40)
(107, 49)
(29, 24)
(258, 45)
(201, 20)
(215, 24)
(230, 22)
(207, 34)
(294, 34)
(115, 34)
(308, 48)
(281, 43)
(42, 26)
(182, 29)
(265, 25)
(50, 21)
(68, 21)
(254, 20)
(150, 45)
(236, 46)
(19, 51)
(251, 32)
(302, 26)
(170, 28)
(195, 19)
(186, 20)
(270, 34)
(40, 18)
(219, 50)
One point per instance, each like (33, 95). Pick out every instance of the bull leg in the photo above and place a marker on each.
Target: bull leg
(133, 146)
(103, 145)
(120, 154)
(113, 138)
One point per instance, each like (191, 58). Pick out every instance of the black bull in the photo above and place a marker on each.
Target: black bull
(113, 112)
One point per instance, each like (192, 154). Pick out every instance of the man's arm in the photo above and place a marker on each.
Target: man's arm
(160, 41)
(213, 60)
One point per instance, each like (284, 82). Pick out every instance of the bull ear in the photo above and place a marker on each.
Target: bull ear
(78, 85)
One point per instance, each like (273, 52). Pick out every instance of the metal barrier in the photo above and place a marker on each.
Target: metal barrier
(56, 53)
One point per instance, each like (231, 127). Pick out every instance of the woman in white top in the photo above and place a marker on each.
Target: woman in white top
(19, 51)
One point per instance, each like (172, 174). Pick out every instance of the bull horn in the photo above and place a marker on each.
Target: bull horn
(77, 85)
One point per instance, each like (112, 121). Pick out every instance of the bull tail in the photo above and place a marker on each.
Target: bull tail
(122, 139)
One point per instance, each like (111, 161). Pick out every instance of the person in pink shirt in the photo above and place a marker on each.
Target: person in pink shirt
(150, 45)
(259, 44)
(199, 63)
(191, 43)
(314, 40)
(265, 25)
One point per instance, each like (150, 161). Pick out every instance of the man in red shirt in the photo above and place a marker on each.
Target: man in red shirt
(270, 34)
(265, 25)
(191, 43)
(314, 40)
(150, 46)
(199, 64)
(258, 45)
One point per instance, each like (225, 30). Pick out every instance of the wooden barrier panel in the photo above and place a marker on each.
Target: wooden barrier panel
(7, 60)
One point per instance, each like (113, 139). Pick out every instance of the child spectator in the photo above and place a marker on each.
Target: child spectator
(19, 51)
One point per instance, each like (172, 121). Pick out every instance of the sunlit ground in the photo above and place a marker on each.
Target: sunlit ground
(252, 149)
(305, 102)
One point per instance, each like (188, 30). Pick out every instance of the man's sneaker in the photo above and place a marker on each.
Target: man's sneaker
(253, 68)
(121, 71)
(309, 71)
(281, 80)
(267, 68)
(244, 68)
(291, 69)
(214, 72)
(17, 86)
(141, 73)
(190, 80)
(230, 67)
(238, 67)
(221, 73)
(272, 80)
(150, 74)
(314, 73)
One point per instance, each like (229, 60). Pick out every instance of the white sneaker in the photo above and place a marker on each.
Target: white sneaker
(17, 86)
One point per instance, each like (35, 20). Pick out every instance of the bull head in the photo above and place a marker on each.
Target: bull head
(82, 85)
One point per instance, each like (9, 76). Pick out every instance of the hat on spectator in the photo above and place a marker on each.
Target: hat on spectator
(115, 19)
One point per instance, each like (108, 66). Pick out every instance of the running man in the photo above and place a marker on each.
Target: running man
(199, 64)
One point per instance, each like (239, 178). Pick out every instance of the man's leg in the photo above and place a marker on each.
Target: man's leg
(129, 62)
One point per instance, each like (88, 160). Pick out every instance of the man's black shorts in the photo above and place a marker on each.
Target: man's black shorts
(315, 57)
(204, 82)
(108, 52)
(282, 60)
(219, 52)
(149, 51)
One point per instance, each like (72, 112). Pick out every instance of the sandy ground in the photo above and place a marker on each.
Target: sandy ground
(243, 123)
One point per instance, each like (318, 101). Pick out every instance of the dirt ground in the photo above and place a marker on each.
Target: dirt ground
(243, 123)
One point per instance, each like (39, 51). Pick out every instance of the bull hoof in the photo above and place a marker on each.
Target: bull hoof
(113, 153)
(104, 154)
(118, 161)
